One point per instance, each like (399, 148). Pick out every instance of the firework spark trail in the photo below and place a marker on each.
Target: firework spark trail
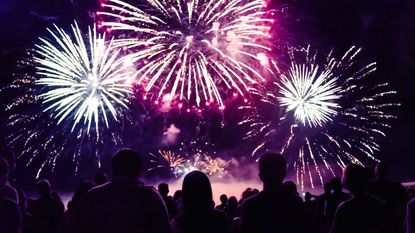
(327, 107)
(194, 51)
(84, 77)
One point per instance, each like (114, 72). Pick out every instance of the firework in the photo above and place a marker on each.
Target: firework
(195, 51)
(211, 165)
(321, 113)
(83, 78)
(78, 78)
(190, 156)
(168, 159)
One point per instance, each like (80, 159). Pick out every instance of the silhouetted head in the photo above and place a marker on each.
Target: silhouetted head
(163, 189)
(355, 178)
(336, 184)
(308, 196)
(10, 158)
(327, 187)
(100, 179)
(245, 193)
(126, 163)
(4, 169)
(290, 187)
(382, 170)
(223, 199)
(43, 187)
(80, 192)
(272, 168)
(197, 192)
(177, 195)
(233, 202)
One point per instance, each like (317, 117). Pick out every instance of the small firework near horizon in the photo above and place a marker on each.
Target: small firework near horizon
(179, 164)
(330, 112)
(194, 53)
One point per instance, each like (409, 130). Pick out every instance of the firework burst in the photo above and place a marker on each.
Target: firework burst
(196, 51)
(78, 78)
(167, 159)
(83, 77)
(325, 113)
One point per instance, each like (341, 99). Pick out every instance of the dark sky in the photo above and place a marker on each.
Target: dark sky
(385, 29)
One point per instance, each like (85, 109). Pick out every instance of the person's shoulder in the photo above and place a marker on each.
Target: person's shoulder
(253, 199)
(148, 192)
(99, 188)
(97, 191)
(346, 204)
(411, 204)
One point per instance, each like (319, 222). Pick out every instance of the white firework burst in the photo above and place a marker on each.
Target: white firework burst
(322, 113)
(311, 93)
(84, 77)
(195, 51)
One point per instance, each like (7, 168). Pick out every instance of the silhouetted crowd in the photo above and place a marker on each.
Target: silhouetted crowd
(124, 204)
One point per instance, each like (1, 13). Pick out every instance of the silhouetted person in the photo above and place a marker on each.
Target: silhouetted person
(231, 207)
(336, 197)
(312, 219)
(6, 190)
(124, 204)
(273, 209)
(410, 216)
(73, 204)
(248, 192)
(362, 213)
(393, 193)
(199, 214)
(291, 187)
(79, 193)
(46, 211)
(178, 195)
(163, 189)
(223, 202)
(323, 199)
(177, 198)
(10, 217)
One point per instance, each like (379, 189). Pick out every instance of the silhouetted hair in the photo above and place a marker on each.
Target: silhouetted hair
(327, 187)
(308, 196)
(336, 184)
(126, 162)
(232, 202)
(177, 195)
(291, 187)
(80, 192)
(197, 192)
(223, 198)
(272, 167)
(4, 167)
(355, 178)
(163, 189)
(44, 187)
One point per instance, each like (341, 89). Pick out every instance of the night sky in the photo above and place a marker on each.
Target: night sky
(385, 29)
